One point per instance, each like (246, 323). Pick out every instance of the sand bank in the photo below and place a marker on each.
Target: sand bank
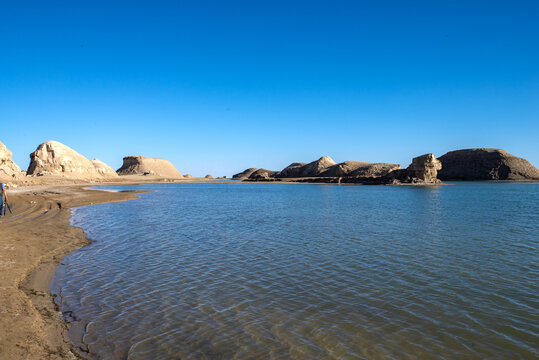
(32, 243)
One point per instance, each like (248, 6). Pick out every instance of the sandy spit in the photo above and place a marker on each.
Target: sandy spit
(33, 240)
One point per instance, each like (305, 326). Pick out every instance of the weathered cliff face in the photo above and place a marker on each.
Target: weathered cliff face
(54, 158)
(141, 165)
(312, 169)
(424, 169)
(359, 169)
(103, 168)
(263, 174)
(344, 168)
(292, 170)
(485, 164)
(8, 169)
(244, 174)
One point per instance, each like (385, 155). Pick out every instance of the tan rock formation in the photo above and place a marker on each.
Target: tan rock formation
(8, 169)
(188, 176)
(103, 168)
(208, 176)
(54, 158)
(141, 165)
(424, 168)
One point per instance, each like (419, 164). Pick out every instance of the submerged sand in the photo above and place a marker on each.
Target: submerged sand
(33, 240)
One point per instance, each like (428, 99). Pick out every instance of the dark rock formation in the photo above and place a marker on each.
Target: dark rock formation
(485, 164)
(141, 165)
(244, 174)
(208, 176)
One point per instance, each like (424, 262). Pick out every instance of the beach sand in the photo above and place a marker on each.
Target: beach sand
(32, 243)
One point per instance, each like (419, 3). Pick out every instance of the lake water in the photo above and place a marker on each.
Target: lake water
(277, 271)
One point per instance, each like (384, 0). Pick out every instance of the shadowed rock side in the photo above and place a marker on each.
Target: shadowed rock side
(485, 164)
(263, 174)
(103, 168)
(208, 176)
(8, 169)
(244, 174)
(54, 158)
(312, 169)
(141, 165)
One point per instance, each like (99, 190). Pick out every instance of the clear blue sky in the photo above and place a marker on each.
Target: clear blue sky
(219, 86)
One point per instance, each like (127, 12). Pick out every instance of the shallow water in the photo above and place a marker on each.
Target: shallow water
(276, 271)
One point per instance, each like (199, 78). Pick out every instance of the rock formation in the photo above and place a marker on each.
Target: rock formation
(141, 165)
(424, 169)
(485, 164)
(103, 168)
(54, 158)
(8, 169)
(244, 174)
(208, 176)
(188, 176)
(313, 169)
(360, 169)
(292, 170)
(263, 174)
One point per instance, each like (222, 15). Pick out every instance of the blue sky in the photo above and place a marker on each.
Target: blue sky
(219, 86)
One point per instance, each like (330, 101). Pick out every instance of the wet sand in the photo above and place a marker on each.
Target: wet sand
(33, 240)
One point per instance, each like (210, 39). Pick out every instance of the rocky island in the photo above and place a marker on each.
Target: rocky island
(423, 170)
(468, 164)
(485, 164)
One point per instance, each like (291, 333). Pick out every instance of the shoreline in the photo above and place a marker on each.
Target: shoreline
(34, 240)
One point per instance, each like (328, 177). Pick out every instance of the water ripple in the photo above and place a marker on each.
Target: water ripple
(304, 271)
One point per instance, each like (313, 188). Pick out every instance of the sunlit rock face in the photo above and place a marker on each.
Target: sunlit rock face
(54, 158)
(8, 169)
(141, 165)
(424, 168)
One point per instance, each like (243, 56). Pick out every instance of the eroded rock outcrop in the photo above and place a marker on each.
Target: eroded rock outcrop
(263, 174)
(8, 169)
(208, 177)
(424, 169)
(103, 168)
(360, 169)
(485, 164)
(141, 165)
(54, 158)
(244, 174)
(312, 169)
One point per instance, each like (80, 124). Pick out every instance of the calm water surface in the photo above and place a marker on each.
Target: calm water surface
(275, 271)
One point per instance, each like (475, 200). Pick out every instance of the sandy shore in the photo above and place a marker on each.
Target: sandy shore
(32, 243)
